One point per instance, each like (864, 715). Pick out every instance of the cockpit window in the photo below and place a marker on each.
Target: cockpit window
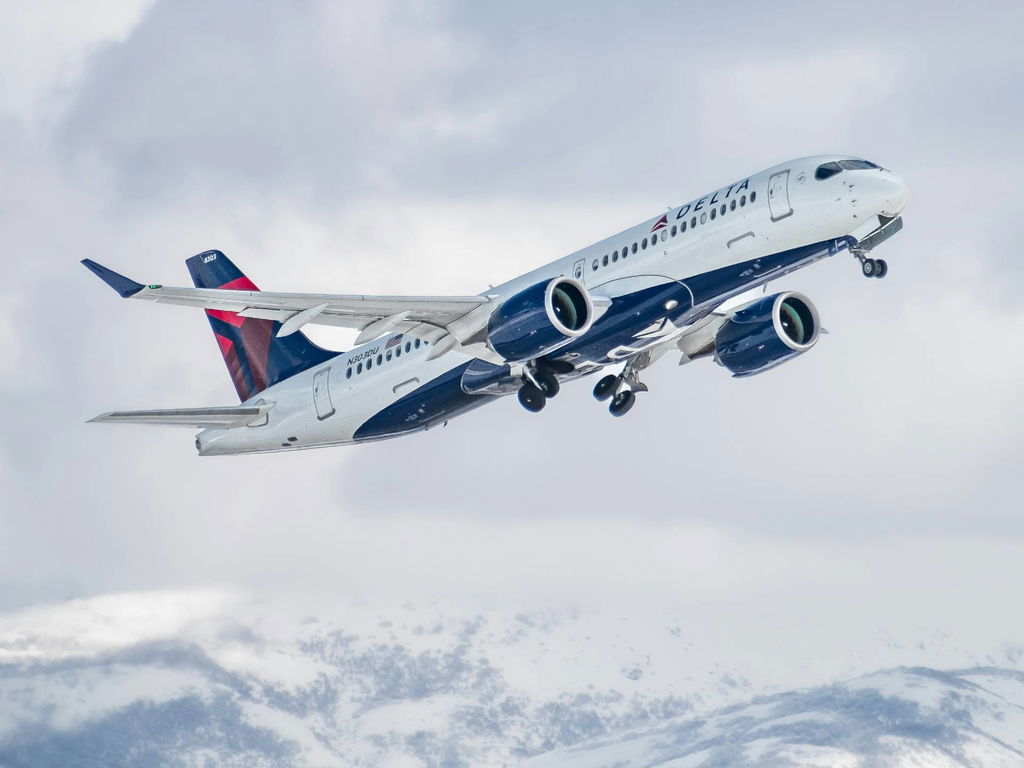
(825, 170)
(856, 165)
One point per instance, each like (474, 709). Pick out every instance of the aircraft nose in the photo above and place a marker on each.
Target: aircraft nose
(895, 195)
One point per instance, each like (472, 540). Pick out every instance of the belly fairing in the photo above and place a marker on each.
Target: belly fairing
(433, 403)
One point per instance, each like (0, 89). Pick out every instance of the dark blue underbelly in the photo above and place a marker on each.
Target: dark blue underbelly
(443, 398)
(433, 403)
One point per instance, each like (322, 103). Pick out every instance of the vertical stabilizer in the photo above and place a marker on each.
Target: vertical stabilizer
(255, 356)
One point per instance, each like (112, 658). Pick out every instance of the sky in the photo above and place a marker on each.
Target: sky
(437, 148)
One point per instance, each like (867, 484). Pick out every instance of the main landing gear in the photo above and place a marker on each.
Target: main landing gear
(620, 389)
(540, 385)
(871, 267)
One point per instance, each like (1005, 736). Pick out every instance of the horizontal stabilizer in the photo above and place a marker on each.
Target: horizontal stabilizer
(125, 286)
(222, 416)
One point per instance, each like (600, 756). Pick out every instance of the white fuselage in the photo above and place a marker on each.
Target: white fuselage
(782, 210)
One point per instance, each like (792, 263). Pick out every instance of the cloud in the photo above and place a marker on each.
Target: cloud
(310, 101)
(45, 48)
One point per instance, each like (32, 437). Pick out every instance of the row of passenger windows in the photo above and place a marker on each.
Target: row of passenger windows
(667, 233)
(382, 358)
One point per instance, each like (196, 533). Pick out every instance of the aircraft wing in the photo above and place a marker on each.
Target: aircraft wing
(454, 316)
(220, 416)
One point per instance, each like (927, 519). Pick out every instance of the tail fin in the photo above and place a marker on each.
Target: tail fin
(255, 356)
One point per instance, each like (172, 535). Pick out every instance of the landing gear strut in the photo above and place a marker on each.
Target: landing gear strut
(546, 383)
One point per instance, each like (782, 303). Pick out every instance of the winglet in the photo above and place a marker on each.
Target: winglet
(123, 285)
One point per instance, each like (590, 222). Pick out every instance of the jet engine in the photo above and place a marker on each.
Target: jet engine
(540, 319)
(766, 333)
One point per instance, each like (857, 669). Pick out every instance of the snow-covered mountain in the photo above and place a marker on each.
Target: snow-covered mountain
(210, 679)
(903, 717)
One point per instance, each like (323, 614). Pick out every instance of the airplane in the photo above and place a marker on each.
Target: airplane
(420, 361)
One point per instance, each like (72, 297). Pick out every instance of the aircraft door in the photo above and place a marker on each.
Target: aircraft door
(778, 195)
(322, 394)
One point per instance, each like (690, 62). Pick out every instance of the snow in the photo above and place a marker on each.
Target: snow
(69, 699)
(424, 684)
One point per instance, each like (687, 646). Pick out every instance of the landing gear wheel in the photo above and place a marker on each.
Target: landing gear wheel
(531, 398)
(621, 403)
(546, 383)
(882, 268)
(869, 267)
(606, 387)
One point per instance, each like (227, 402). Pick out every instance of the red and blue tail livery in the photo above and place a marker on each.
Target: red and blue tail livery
(255, 356)
(689, 282)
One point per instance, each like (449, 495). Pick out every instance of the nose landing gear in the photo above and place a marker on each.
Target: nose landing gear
(870, 267)
(874, 268)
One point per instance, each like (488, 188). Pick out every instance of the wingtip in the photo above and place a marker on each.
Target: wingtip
(125, 286)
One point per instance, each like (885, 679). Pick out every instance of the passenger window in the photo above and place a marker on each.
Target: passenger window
(604, 260)
(369, 364)
(664, 235)
(615, 256)
(732, 205)
(693, 222)
(416, 343)
(388, 355)
(408, 346)
(714, 213)
(359, 368)
(753, 196)
(348, 373)
(634, 247)
(398, 352)
(643, 244)
(682, 227)
(723, 209)
(703, 218)
(743, 201)
(594, 265)
(380, 359)
(673, 230)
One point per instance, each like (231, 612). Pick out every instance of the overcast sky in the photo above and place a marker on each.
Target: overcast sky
(439, 147)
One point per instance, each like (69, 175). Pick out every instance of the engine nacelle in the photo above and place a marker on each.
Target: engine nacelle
(540, 319)
(766, 333)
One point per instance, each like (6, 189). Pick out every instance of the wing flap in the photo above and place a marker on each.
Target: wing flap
(218, 416)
